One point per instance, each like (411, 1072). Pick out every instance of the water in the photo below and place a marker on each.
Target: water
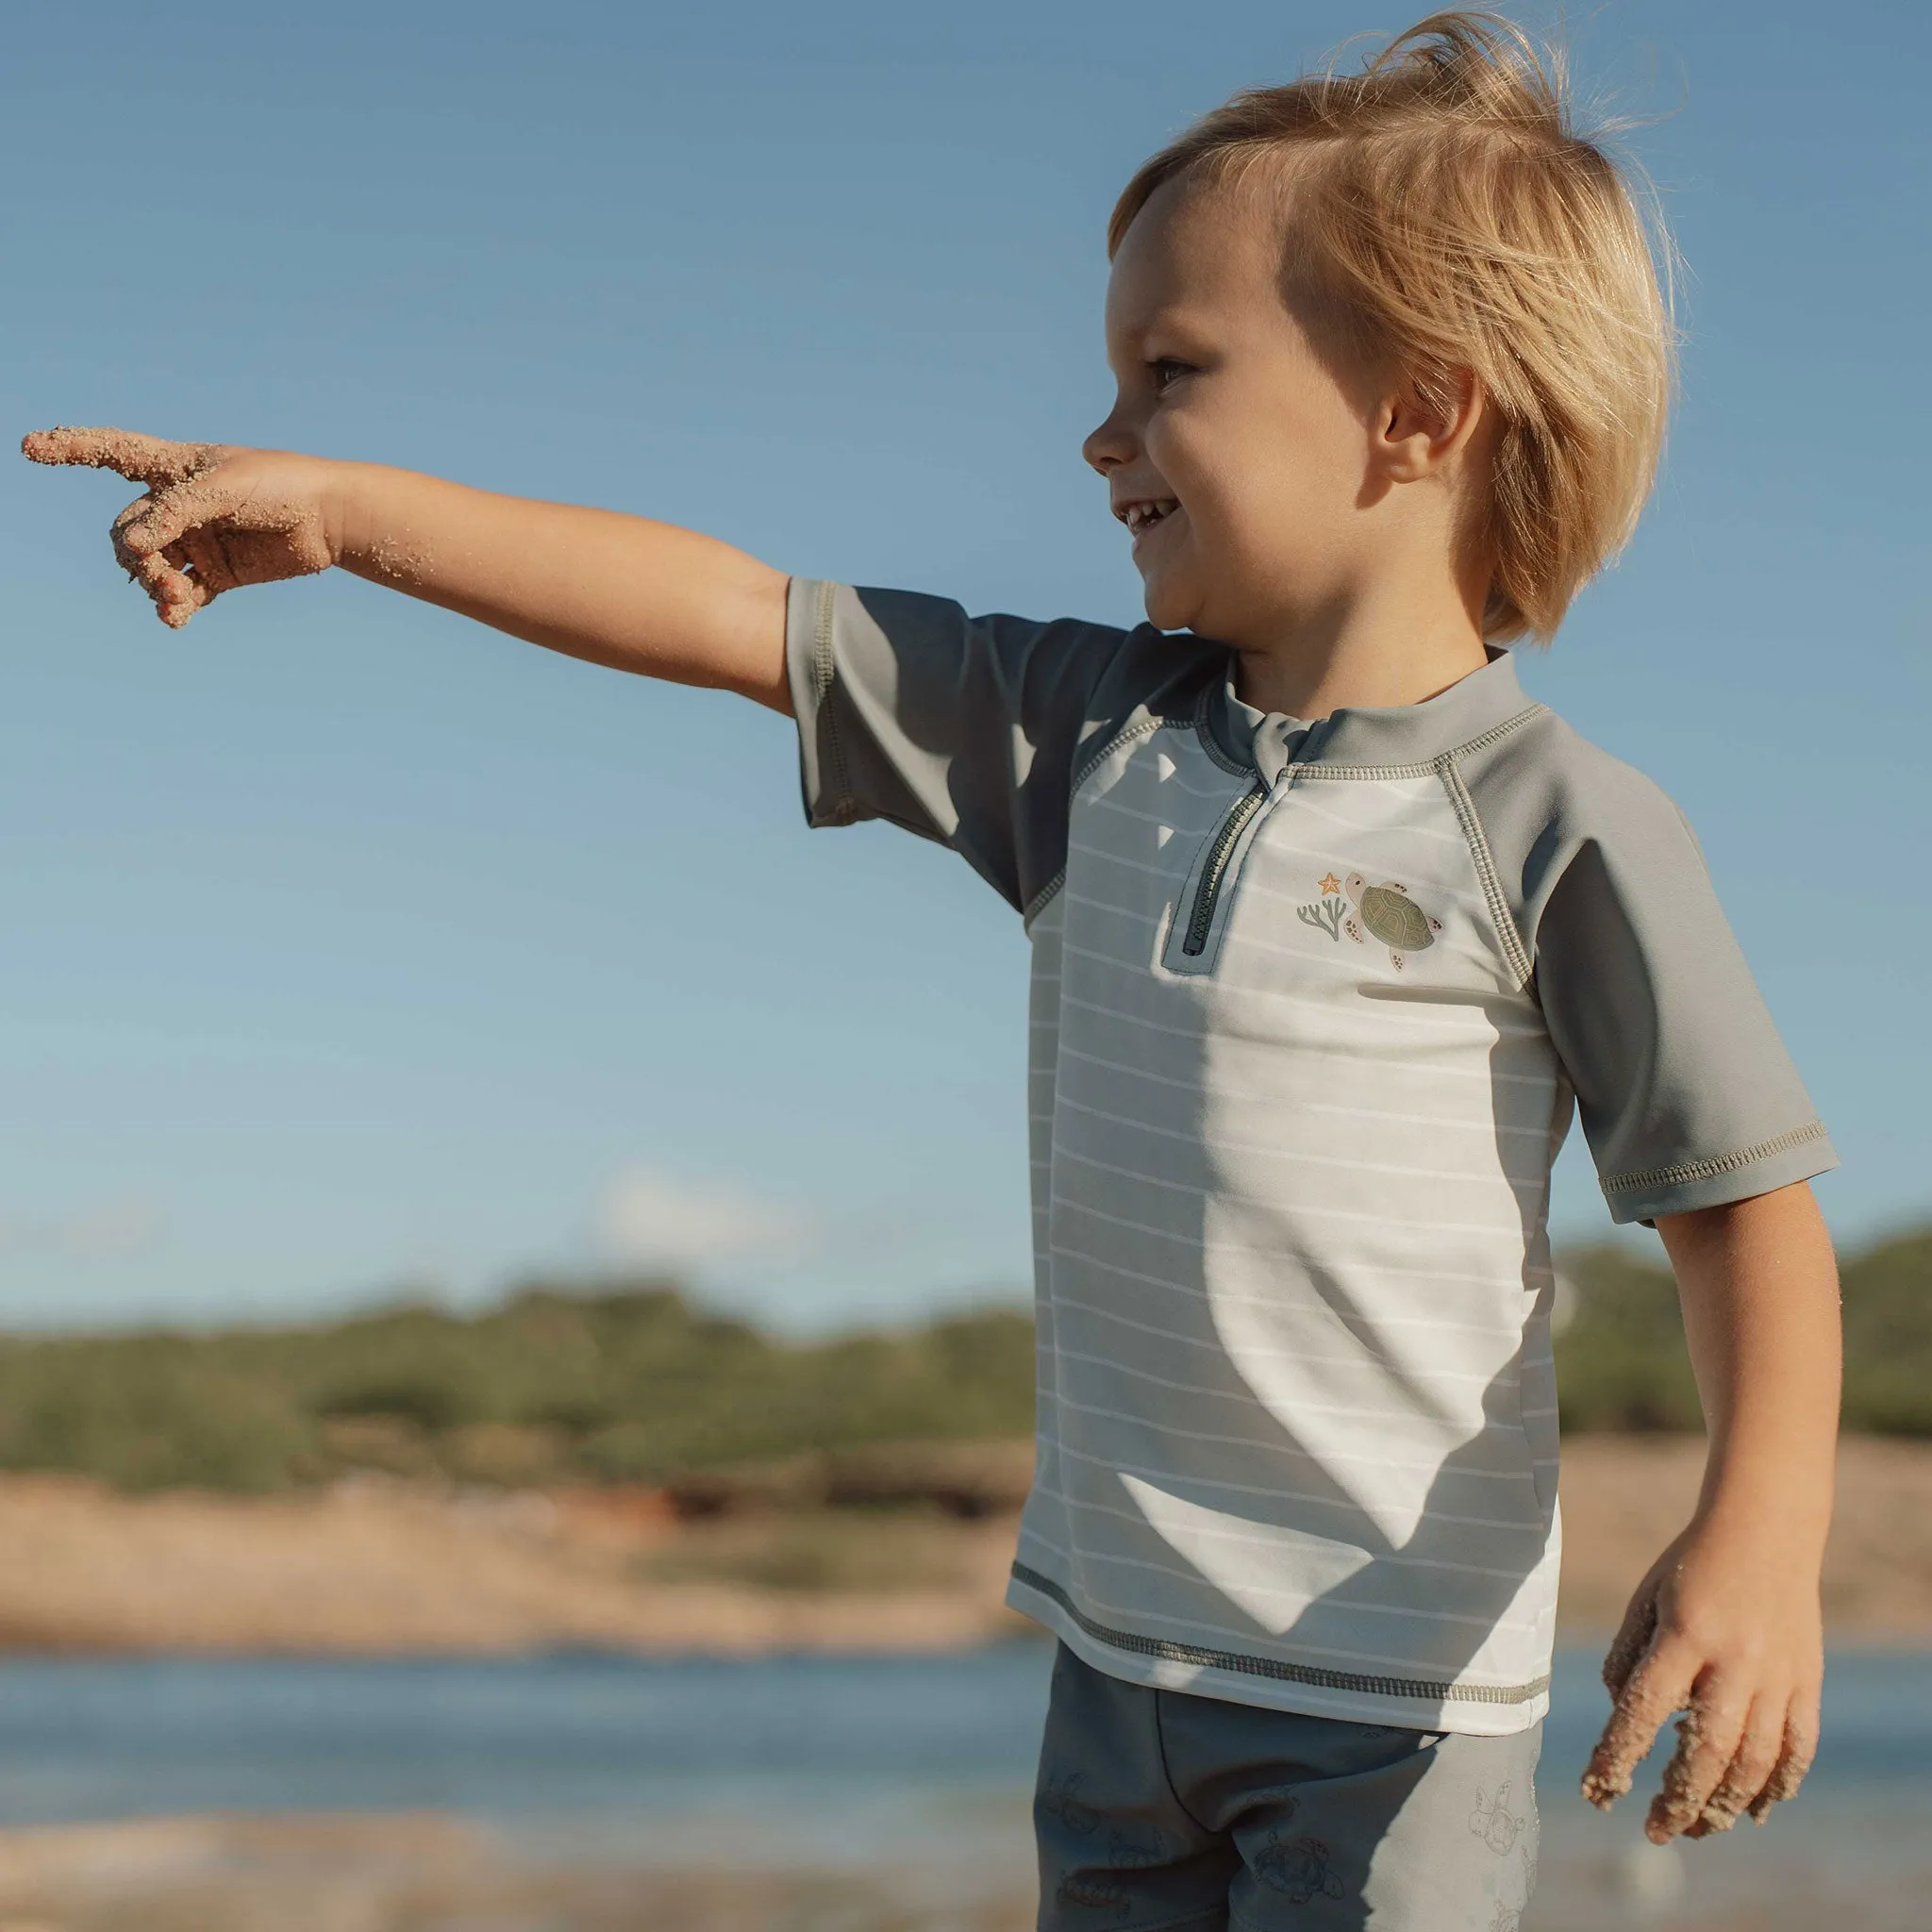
(831, 1758)
(831, 1762)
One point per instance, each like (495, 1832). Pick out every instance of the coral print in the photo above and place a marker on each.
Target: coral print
(1388, 913)
(1325, 913)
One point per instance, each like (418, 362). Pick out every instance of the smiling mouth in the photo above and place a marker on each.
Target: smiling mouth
(1142, 516)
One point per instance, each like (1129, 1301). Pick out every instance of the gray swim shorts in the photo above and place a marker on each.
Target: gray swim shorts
(1158, 1811)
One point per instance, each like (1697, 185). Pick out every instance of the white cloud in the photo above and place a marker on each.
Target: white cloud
(649, 1217)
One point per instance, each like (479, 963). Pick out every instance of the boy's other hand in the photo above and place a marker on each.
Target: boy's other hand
(214, 516)
(1733, 1638)
(1728, 1627)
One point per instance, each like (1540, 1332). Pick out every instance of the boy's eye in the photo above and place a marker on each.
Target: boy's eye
(1166, 370)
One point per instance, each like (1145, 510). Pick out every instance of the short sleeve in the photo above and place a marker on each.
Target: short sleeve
(1686, 1094)
(963, 729)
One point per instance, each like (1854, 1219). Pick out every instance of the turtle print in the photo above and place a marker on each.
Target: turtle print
(1096, 1893)
(1060, 1800)
(1299, 1870)
(1385, 912)
(1494, 1823)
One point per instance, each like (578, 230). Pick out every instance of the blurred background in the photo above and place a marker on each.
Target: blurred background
(514, 1382)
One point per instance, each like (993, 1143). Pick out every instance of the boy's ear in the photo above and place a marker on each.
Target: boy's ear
(1427, 422)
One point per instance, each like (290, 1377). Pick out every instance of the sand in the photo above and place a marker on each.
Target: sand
(430, 1873)
(433, 1873)
(384, 1566)
(379, 1567)
(1624, 1497)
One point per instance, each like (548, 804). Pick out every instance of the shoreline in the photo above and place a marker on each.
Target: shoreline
(389, 1569)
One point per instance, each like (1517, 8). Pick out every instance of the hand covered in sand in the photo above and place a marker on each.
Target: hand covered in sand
(1731, 1637)
(214, 517)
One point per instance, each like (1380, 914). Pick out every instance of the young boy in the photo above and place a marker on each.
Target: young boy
(1331, 925)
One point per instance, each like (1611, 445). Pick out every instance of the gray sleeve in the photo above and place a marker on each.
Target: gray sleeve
(1687, 1095)
(963, 729)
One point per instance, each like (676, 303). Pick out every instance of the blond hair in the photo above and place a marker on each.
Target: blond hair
(1446, 215)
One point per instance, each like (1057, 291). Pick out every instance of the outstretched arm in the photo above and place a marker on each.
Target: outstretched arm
(1726, 1626)
(617, 589)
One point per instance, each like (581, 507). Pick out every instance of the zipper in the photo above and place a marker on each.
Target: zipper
(1214, 873)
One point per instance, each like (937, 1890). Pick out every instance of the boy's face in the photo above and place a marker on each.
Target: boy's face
(1238, 457)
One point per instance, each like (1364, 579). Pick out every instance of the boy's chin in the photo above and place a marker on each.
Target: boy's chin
(1169, 606)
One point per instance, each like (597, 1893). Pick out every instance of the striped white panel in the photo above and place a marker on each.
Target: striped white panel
(1295, 1400)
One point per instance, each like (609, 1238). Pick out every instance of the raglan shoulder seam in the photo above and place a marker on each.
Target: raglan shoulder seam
(1508, 934)
(1548, 793)
(1116, 740)
(1134, 729)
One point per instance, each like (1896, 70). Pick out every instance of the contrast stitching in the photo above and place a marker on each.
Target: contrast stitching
(1295, 773)
(1037, 905)
(1429, 767)
(1514, 952)
(1127, 734)
(1484, 739)
(1170, 1652)
(1684, 1171)
(824, 669)
(1141, 728)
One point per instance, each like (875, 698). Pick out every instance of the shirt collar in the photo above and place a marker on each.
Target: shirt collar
(1367, 735)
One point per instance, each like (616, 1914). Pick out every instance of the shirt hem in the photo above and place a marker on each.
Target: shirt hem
(1274, 1683)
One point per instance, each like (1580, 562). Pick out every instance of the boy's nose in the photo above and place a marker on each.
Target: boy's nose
(1108, 446)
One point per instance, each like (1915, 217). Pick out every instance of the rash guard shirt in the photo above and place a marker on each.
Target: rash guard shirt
(1312, 1005)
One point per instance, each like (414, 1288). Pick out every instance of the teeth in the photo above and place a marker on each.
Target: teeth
(1137, 516)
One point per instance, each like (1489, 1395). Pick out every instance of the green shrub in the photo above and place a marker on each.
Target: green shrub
(1889, 1337)
(1622, 1363)
(632, 1384)
(149, 1412)
(1621, 1359)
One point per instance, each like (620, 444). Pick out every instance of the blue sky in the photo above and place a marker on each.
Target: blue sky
(350, 947)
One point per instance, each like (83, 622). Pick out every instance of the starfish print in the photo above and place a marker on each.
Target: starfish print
(1331, 884)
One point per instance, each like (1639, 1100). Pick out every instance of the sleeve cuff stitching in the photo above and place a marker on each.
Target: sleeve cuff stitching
(825, 665)
(1708, 1170)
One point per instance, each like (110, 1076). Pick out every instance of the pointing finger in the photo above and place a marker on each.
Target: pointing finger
(150, 459)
